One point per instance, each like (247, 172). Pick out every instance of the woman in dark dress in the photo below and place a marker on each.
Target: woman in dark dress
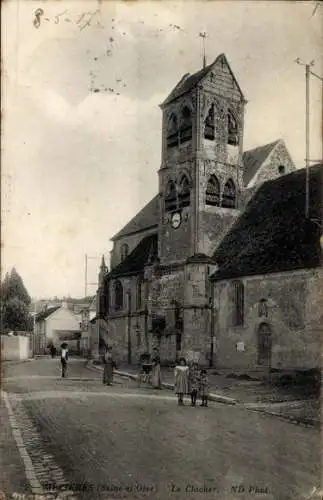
(109, 365)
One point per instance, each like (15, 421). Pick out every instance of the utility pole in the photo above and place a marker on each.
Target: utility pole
(307, 155)
(85, 277)
(86, 282)
(34, 331)
(307, 132)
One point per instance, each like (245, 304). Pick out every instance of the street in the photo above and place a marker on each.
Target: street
(128, 442)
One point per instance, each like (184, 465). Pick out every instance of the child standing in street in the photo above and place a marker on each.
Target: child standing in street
(181, 380)
(204, 387)
(194, 377)
(156, 374)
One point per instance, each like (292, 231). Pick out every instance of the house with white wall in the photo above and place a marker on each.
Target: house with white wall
(55, 325)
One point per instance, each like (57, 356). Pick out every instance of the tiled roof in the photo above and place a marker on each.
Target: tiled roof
(146, 218)
(254, 158)
(188, 82)
(272, 235)
(138, 258)
(44, 314)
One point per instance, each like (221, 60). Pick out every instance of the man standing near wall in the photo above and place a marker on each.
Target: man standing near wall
(64, 358)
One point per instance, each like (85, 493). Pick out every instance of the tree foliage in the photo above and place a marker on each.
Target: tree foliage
(15, 302)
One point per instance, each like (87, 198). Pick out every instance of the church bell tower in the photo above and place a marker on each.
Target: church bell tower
(200, 179)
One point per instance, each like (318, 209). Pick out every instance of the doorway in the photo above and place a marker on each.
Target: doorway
(264, 345)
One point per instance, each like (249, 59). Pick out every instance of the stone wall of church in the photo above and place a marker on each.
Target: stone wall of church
(197, 312)
(166, 292)
(121, 328)
(213, 225)
(280, 157)
(175, 245)
(292, 302)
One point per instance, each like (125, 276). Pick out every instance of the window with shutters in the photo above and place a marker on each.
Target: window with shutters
(212, 194)
(171, 197)
(172, 132)
(229, 195)
(185, 129)
(232, 129)
(184, 192)
(118, 295)
(209, 128)
(140, 293)
(238, 303)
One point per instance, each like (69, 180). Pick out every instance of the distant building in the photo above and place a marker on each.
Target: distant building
(88, 314)
(55, 325)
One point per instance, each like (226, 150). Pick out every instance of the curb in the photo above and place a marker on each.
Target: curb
(212, 397)
(30, 473)
(305, 422)
(16, 361)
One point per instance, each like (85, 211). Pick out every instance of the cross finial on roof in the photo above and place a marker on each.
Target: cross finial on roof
(203, 35)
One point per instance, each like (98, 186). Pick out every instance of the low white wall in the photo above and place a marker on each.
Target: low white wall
(14, 348)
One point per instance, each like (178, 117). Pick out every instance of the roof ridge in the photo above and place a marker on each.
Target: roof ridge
(272, 144)
(124, 231)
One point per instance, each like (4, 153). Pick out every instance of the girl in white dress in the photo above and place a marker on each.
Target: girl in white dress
(181, 379)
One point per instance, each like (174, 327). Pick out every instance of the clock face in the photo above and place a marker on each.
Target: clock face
(176, 220)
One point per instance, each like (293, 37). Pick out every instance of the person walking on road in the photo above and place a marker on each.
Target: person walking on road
(181, 380)
(64, 358)
(52, 351)
(109, 365)
(204, 387)
(194, 380)
(156, 374)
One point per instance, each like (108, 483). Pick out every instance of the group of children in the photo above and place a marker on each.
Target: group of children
(191, 380)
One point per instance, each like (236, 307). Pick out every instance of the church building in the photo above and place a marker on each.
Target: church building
(157, 293)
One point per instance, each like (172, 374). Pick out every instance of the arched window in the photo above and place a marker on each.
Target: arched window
(184, 192)
(118, 295)
(281, 169)
(124, 251)
(232, 129)
(140, 292)
(213, 192)
(171, 197)
(238, 303)
(185, 132)
(209, 129)
(107, 296)
(229, 195)
(263, 308)
(172, 132)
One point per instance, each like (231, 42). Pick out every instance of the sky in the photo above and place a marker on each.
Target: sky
(81, 139)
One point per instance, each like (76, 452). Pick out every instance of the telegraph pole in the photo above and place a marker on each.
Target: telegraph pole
(86, 283)
(307, 131)
(307, 155)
